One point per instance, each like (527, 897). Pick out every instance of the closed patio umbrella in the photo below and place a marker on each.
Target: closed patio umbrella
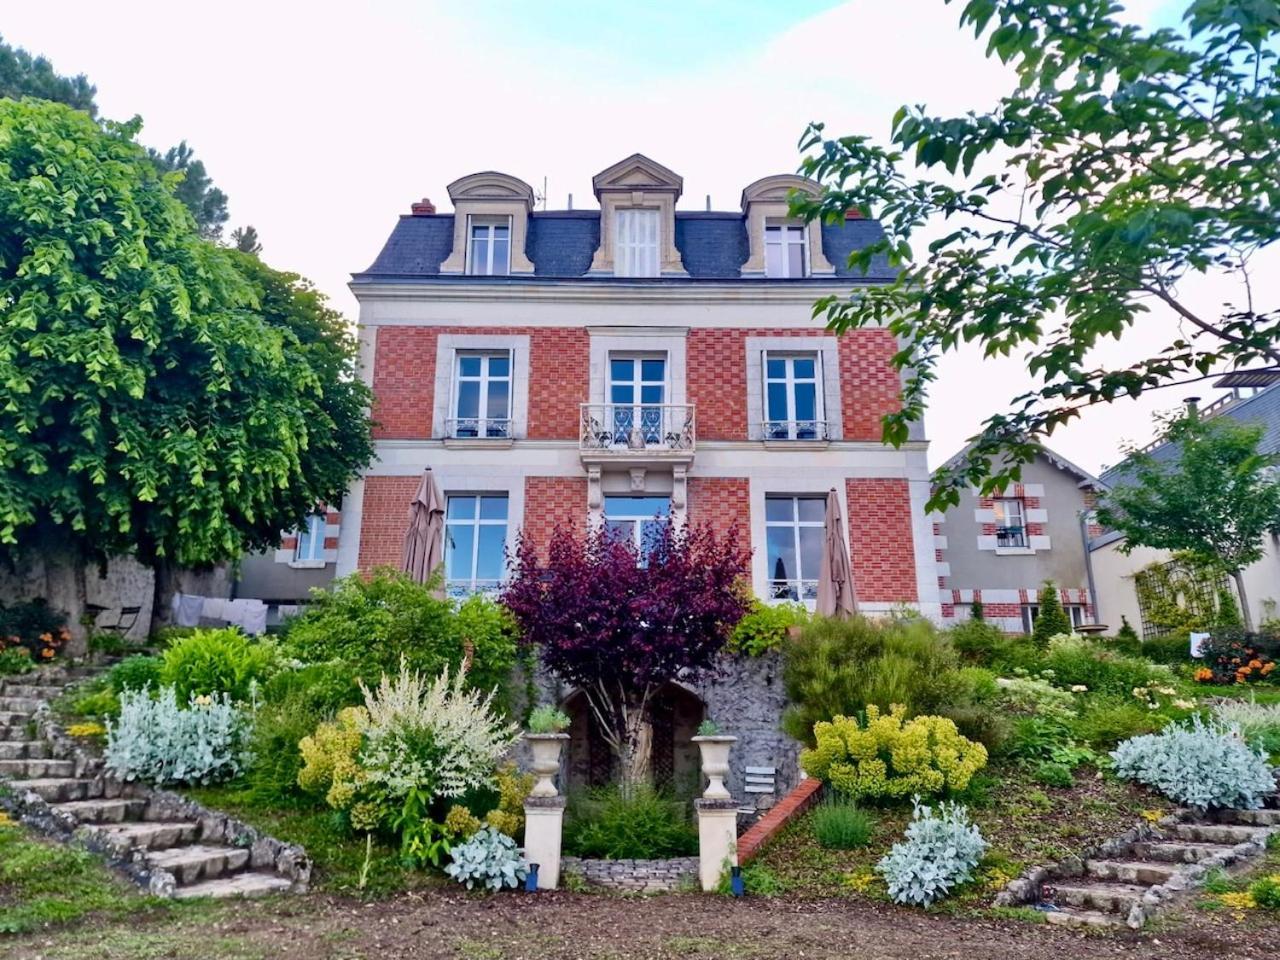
(835, 578)
(424, 539)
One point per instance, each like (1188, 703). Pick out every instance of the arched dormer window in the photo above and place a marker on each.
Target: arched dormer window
(490, 223)
(781, 246)
(637, 219)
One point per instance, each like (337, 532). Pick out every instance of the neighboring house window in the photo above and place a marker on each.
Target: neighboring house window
(482, 401)
(310, 548)
(786, 254)
(636, 519)
(793, 397)
(1011, 527)
(1030, 611)
(475, 541)
(793, 546)
(490, 253)
(637, 392)
(636, 242)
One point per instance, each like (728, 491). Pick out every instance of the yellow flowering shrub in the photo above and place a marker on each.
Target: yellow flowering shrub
(329, 758)
(892, 756)
(461, 823)
(86, 730)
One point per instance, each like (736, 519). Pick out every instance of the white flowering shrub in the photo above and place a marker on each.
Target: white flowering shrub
(941, 850)
(439, 738)
(156, 741)
(1258, 723)
(489, 859)
(1198, 764)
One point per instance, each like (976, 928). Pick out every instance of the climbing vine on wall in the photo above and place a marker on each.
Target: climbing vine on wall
(1177, 596)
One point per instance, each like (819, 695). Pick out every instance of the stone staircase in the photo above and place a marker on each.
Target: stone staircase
(170, 845)
(1128, 880)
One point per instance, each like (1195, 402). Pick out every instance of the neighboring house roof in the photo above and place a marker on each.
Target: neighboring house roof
(561, 243)
(1085, 478)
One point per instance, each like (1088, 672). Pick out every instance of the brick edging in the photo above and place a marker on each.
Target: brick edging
(784, 811)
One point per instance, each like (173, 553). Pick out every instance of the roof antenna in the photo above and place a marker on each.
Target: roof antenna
(541, 198)
(571, 201)
(708, 203)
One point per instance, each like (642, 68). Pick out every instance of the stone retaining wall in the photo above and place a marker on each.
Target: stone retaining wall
(638, 876)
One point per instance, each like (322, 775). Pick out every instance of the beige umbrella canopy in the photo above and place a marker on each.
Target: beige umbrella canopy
(424, 539)
(835, 578)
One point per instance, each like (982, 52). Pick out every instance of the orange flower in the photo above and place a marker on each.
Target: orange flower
(47, 653)
(1203, 675)
(1255, 664)
(46, 636)
(1268, 667)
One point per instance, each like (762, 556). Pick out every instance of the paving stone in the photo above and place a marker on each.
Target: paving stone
(1115, 898)
(55, 789)
(1131, 871)
(1178, 851)
(199, 862)
(29, 768)
(241, 885)
(104, 810)
(1071, 917)
(1216, 832)
(148, 835)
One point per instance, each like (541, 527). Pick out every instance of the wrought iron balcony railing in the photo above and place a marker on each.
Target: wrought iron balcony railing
(1011, 536)
(637, 428)
(795, 430)
(478, 428)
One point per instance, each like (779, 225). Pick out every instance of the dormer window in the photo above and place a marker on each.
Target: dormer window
(786, 251)
(637, 220)
(637, 243)
(490, 252)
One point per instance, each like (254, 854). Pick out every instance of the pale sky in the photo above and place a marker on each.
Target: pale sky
(324, 121)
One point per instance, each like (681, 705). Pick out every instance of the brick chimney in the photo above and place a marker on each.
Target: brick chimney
(423, 207)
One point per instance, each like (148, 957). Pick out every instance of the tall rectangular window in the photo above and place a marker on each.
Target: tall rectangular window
(637, 392)
(786, 252)
(793, 545)
(793, 397)
(636, 520)
(1011, 527)
(310, 546)
(490, 253)
(475, 540)
(482, 397)
(636, 242)
(1031, 611)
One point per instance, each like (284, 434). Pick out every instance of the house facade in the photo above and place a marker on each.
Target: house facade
(998, 550)
(609, 366)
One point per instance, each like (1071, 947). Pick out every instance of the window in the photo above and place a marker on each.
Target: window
(793, 545)
(475, 541)
(636, 519)
(793, 397)
(1030, 611)
(482, 400)
(636, 243)
(490, 253)
(786, 253)
(637, 391)
(310, 548)
(1011, 528)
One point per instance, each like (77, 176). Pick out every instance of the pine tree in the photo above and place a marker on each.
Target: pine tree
(975, 611)
(1126, 632)
(1228, 611)
(245, 239)
(1052, 619)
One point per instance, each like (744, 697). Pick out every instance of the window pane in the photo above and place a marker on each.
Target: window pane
(781, 553)
(804, 367)
(651, 393)
(624, 530)
(621, 369)
(493, 508)
(813, 509)
(795, 260)
(500, 232)
(500, 265)
(468, 399)
(778, 402)
(776, 367)
(480, 256)
(460, 508)
(469, 366)
(500, 365)
(498, 397)
(773, 262)
(457, 553)
(489, 557)
(806, 401)
(810, 552)
(779, 509)
(653, 371)
(622, 393)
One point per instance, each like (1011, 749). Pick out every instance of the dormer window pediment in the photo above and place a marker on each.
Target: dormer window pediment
(781, 246)
(637, 219)
(490, 223)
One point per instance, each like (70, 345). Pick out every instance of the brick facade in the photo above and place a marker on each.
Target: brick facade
(881, 541)
(722, 502)
(869, 384)
(385, 519)
(404, 370)
(551, 502)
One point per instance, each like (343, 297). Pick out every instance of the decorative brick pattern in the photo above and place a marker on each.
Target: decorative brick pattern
(869, 384)
(559, 378)
(551, 502)
(881, 542)
(404, 371)
(385, 519)
(804, 796)
(722, 502)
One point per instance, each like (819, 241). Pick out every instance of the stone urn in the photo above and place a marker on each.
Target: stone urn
(546, 749)
(715, 764)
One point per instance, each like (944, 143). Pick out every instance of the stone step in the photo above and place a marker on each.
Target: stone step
(1177, 851)
(102, 810)
(1253, 818)
(15, 704)
(1131, 871)
(23, 750)
(1074, 917)
(1228, 833)
(56, 789)
(16, 733)
(148, 834)
(32, 768)
(240, 885)
(9, 718)
(199, 862)
(1098, 895)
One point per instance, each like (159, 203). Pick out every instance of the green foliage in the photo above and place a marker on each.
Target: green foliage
(372, 623)
(765, 627)
(1126, 635)
(24, 75)
(1177, 595)
(940, 851)
(153, 407)
(1054, 775)
(976, 611)
(639, 823)
(1258, 723)
(1171, 649)
(1111, 169)
(1107, 720)
(217, 661)
(841, 825)
(136, 673)
(977, 641)
(156, 741)
(708, 728)
(840, 667)
(757, 880)
(1228, 611)
(489, 859)
(1052, 621)
(34, 626)
(548, 719)
(1266, 891)
(892, 757)
(15, 660)
(1089, 663)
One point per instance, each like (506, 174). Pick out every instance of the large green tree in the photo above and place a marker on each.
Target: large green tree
(1076, 209)
(194, 188)
(1216, 499)
(24, 75)
(163, 397)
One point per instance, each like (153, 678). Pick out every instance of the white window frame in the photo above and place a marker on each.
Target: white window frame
(488, 224)
(1011, 509)
(483, 416)
(637, 384)
(635, 255)
(638, 520)
(310, 545)
(783, 236)
(1075, 612)
(795, 524)
(790, 380)
(454, 587)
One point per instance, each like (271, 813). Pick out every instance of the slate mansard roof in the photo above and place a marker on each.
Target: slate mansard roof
(561, 243)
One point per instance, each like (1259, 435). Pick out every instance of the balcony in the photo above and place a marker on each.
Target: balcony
(478, 431)
(1011, 538)
(639, 434)
(813, 431)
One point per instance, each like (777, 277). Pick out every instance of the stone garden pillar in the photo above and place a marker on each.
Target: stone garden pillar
(717, 813)
(543, 825)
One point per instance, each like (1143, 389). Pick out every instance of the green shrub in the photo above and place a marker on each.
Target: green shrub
(977, 641)
(1088, 663)
(95, 700)
(757, 879)
(983, 723)
(1036, 738)
(1105, 721)
(217, 661)
(840, 667)
(765, 627)
(1266, 892)
(1054, 774)
(1017, 653)
(1052, 620)
(135, 673)
(642, 825)
(35, 627)
(1258, 723)
(371, 622)
(841, 825)
(15, 660)
(548, 719)
(1172, 648)
(1127, 638)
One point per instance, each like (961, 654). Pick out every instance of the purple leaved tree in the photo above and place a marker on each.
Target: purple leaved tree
(619, 625)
